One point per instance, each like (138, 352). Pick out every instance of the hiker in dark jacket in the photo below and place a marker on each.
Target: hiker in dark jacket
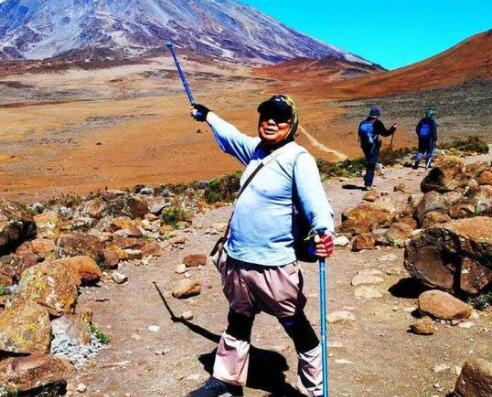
(427, 134)
(369, 131)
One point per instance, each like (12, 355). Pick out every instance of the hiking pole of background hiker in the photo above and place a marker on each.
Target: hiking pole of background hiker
(324, 332)
(182, 76)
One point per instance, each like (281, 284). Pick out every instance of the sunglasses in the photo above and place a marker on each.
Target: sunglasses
(279, 118)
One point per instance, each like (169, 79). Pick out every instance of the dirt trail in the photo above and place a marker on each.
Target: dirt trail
(317, 144)
(371, 356)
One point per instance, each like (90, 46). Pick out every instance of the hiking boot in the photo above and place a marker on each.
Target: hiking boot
(214, 387)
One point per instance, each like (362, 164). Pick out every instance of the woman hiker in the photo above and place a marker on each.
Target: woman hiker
(258, 264)
(369, 131)
(427, 134)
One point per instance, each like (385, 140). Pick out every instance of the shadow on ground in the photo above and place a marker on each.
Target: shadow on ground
(266, 367)
(408, 288)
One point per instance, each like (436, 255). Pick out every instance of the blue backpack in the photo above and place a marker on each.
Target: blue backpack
(425, 130)
(367, 135)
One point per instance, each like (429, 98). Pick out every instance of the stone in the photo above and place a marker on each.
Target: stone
(440, 368)
(435, 218)
(371, 196)
(85, 268)
(363, 241)
(113, 254)
(485, 178)
(424, 326)
(366, 278)
(365, 218)
(431, 201)
(458, 250)
(366, 292)
(340, 317)
(25, 328)
(397, 234)
(48, 225)
(475, 379)
(34, 375)
(447, 175)
(119, 278)
(52, 285)
(151, 248)
(134, 254)
(341, 241)
(195, 260)
(402, 187)
(42, 247)
(80, 244)
(130, 206)
(462, 210)
(16, 226)
(466, 324)
(180, 269)
(154, 328)
(81, 388)
(187, 315)
(96, 208)
(186, 288)
(75, 327)
(482, 198)
(443, 306)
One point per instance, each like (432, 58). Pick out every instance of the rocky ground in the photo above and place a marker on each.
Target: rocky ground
(159, 300)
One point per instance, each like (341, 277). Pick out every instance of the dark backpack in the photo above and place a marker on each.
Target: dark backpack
(367, 135)
(424, 130)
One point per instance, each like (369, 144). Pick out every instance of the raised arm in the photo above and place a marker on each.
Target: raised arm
(228, 137)
(311, 195)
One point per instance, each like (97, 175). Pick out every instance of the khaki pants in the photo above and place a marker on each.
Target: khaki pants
(251, 289)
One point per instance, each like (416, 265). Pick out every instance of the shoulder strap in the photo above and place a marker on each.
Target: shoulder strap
(264, 162)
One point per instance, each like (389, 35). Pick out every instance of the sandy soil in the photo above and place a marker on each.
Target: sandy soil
(372, 356)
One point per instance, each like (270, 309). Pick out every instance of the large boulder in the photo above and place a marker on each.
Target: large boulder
(52, 285)
(16, 226)
(475, 379)
(80, 244)
(365, 218)
(25, 328)
(447, 175)
(35, 375)
(126, 205)
(455, 257)
(84, 268)
(431, 202)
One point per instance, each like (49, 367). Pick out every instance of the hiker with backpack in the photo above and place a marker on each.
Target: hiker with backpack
(258, 263)
(369, 131)
(427, 134)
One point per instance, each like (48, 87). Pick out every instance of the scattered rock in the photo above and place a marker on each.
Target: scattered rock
(75, 327)
(431, 201)
(85, 268)
(35, 375)
(424, 326)
(475, 379)
(440, 368)
(151, 248)
(42, 247)
(187, 315)
(195, 260)
(363, 241)
(447, 175)
(119, 278)
(366, 292)
(367, 277)
(485, 178)
(402, 187)
(51, 285)
(180, 269)
(340, 317)
(186, 288)
(154, 328)
(80, 244)
(365, 218)
(441, 305)
(96, 208)
(16, 226)
(25, 328)
(341, 241)
(48, 225)
(81, 388)
(371, 196)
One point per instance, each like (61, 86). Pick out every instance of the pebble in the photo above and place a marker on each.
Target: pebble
(466, 324)
(180, 269)
(187, 315)
(343, 361)
(367, 292)
(137, 337)
(81, 388)
(362, 278)
(153, 328)
(341, 241)
(388, 258)
(340, 316)
(440, 367)
(119, 278)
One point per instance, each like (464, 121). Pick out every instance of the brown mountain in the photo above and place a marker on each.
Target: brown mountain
(468, 60)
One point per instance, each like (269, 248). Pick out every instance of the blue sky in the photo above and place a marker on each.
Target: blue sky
(392, 33)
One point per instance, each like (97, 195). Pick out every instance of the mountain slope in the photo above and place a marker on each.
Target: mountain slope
(468, 60)
(38, 29)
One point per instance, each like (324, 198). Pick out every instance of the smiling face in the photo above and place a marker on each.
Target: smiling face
(273, 132)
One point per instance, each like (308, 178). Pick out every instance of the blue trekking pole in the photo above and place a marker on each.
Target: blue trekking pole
(181, 74)
(324, 332)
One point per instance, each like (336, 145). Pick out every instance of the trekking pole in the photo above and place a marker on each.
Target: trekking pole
(391, 142)
(324, 332)
(181, 74)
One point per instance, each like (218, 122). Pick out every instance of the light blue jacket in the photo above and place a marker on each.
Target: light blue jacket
(262, 224)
